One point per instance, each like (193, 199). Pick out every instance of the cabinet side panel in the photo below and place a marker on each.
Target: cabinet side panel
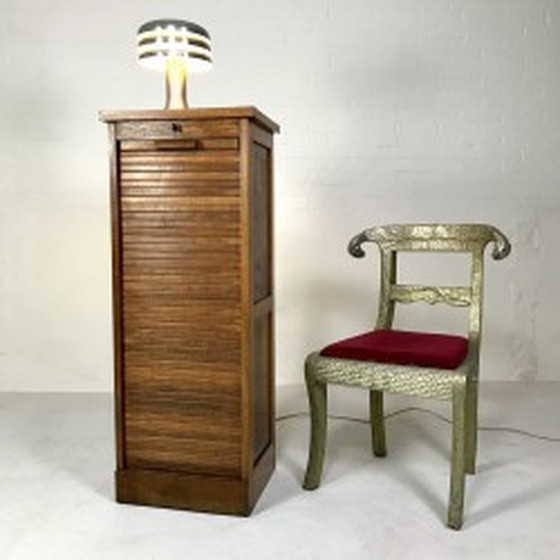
(261, 217)
(261, 379)
(262, 363)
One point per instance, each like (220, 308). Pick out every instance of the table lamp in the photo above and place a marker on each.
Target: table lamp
(176, 47)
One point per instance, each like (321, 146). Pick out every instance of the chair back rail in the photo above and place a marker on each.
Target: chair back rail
(432, 237)
(456, 238)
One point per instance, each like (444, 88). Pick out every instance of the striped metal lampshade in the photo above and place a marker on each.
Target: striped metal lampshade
(177, 47)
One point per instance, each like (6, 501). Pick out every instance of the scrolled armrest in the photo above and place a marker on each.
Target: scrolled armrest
(355, 245)
(502, 246)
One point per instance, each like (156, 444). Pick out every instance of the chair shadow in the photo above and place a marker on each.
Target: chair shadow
(523, 498)
(291, 447)
(413, 480)
(349, 443)
(436, 438)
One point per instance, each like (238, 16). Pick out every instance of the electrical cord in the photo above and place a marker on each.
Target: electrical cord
(517, 431)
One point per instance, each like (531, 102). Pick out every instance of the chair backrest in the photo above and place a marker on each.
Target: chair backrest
(458, 238)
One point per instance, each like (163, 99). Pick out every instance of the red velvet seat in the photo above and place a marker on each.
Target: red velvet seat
(402, 347)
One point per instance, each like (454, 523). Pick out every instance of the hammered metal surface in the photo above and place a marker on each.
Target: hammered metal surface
(471, 238)
(408, 380)
(432, 237)
(457, 296)
(458, 385)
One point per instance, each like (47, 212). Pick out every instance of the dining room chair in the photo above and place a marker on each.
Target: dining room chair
(426, 364)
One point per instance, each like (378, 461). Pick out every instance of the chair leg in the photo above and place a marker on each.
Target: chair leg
(471, 426)
(377, 424)
(457, 486)
(317, 394)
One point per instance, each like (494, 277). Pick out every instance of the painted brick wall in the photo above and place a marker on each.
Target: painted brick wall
(391, 110)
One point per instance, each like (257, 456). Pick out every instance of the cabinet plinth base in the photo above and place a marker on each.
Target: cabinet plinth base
(197, 492)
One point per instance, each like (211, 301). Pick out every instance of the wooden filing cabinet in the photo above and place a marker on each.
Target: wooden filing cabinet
(191, 197)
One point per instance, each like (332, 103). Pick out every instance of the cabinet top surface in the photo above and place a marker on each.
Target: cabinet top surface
(190, 114)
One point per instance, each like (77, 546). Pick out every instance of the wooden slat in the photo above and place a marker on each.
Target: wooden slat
(169, 191)
(204, 181)
(161, 234)
(128, 146)
(200, 376)
(178, 176)
(175, 204)
(172, 249)
(227, 216)
(191, 411)
(218, 157)
(136, 257)
(207, 291)
(179, 158)
(181, 278)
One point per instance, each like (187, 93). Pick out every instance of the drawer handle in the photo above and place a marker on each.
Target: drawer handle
(189, 144)
(179, 144)
(176, 127)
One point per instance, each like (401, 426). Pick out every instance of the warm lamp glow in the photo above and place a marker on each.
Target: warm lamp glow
(176, 47)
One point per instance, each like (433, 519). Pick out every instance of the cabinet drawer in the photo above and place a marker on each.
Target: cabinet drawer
(169, 129)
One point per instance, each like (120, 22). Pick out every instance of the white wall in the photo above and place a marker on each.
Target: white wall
(391, 110)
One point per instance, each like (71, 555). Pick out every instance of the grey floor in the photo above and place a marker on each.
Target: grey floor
(56, 497)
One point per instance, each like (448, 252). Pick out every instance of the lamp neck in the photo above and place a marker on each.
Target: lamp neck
(175, 83)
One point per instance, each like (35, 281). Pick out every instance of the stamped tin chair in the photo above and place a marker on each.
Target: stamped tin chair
(414, 363)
